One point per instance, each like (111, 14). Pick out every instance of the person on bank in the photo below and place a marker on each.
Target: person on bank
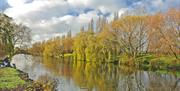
(5, 62)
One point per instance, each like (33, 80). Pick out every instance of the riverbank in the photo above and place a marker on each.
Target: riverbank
(144, 61)
(10, 79)
(152, 62)
(15, 80)
(69, 75)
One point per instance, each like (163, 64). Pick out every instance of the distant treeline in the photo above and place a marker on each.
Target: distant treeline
(132, 35)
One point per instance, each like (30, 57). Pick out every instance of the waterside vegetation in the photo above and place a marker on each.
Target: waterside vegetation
(134, 39)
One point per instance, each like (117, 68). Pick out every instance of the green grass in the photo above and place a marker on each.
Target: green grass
(9, 78)
(151, 61)
(68, 55)
(123, 58)
(146, 57)
(176, 73)
(65, 55)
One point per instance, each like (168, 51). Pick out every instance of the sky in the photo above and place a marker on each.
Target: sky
(50, 18)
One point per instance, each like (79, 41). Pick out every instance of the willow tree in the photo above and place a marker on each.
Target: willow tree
(108, 44)
(80, 45)
(13, 35)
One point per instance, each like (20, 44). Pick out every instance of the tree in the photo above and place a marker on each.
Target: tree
(37, 48)
(164, 33)
(116, 16)
(101, 22)
(131, 32)
(91, 26)
(13, 35)
(80, 45)
(91, 49)
(108, 44)
(68, 44)
(133, 35)
(173, 29)
(69, 34)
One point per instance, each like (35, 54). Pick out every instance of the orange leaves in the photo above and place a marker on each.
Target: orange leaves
(163, 31)
(156, 21)
(174, 14)
(159, 31)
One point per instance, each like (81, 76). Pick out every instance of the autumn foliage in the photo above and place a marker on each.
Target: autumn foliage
(131, 35)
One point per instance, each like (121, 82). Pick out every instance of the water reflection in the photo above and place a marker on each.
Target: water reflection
(81, 76)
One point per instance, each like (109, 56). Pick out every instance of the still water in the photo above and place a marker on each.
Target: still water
(81, 76)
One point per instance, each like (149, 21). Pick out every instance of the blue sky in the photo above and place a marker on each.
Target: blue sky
(49, 18)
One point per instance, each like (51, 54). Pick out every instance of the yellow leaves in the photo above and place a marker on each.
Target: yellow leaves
(128, 23)
(174, 14)
(68, 45)
(131, 35)
(54, 47)
(115, 24)
(80, 44)
(58, 47)
(105, 33)
(49, 49)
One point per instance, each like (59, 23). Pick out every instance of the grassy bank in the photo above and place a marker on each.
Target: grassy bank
(176, 73)
(9, 78)
(14, 80)
(153, 62)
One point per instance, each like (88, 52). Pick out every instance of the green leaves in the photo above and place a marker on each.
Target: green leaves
(12, 34)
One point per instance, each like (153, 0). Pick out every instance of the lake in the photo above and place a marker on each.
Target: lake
(72, 75)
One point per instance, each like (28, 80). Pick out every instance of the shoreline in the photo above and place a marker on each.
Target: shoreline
(28, 84)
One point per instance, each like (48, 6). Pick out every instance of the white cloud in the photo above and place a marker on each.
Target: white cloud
(104, 9)
(120, 13)
(39, 37)
(51, 24)
(157, 3)
(23, 9)
(19, 8)
(79, 2)
(49, 17)
(16, 3)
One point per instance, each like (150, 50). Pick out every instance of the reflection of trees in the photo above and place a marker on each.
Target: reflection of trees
(175, 86)
(109, 77)
(104, 77)
(58, 66)
(126, 79)
(162, 82)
